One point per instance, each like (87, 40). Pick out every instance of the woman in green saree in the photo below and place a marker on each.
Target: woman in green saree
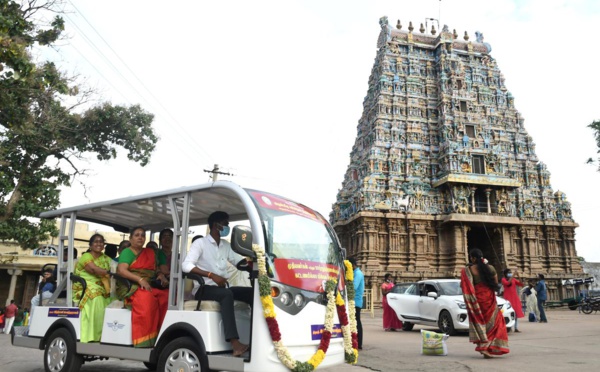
(94, 267)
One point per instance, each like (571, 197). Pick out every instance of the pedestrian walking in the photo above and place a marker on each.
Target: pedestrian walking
(487, 329)
(9, 316)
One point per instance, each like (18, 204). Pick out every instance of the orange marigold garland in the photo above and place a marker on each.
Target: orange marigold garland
(333, 302)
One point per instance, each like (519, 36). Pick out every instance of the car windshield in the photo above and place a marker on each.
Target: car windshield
(451, 288)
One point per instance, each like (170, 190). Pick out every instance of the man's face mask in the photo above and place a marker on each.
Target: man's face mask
(224, 231)
(509, 275)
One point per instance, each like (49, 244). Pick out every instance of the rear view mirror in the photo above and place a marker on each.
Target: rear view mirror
(432, 294)
(344, 254)
(241, 241)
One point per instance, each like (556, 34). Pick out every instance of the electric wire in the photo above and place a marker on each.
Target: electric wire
(90, 42)
(114, 68)
(186, 135)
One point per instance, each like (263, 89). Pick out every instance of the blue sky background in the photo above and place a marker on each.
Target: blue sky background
(272, 91)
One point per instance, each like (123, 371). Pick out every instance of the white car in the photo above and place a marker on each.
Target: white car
(437, 303)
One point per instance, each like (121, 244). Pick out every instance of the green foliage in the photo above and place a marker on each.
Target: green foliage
(596, 128)
(41, 138)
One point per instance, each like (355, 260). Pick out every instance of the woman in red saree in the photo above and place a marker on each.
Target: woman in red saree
(148, 305)
(390, 319)
(487, 329)
(510, 283)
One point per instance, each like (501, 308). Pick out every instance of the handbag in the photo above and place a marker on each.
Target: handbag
(532, 317)
(155, 282)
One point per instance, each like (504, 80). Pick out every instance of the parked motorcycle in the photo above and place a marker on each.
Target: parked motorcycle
(590, 304)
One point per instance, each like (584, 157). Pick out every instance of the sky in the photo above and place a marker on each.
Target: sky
(272, 91)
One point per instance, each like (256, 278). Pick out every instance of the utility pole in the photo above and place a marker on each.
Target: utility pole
(215, 172)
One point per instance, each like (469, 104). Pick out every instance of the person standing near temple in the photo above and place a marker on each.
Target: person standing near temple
(359, 291)
(531, 302)
(510, 283)
(542, 296)
(390, 319)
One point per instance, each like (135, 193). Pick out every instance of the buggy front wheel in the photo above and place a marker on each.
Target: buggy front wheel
(60, 354)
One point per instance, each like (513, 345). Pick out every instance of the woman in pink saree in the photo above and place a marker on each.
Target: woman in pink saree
(390, 319)
(487, 329)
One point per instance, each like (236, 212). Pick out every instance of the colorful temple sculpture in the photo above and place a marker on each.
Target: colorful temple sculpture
(442, 163)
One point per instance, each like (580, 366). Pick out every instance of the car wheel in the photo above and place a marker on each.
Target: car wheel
(445, 323)
(406, 326)
(60, 353)
(182, 354)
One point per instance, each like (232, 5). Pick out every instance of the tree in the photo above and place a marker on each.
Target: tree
(43, 134)
(596, 128)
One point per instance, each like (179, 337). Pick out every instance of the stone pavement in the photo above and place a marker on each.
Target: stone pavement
(570, 341)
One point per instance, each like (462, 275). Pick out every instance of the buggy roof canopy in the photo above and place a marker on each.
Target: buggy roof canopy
(576, 281)
(154, 210)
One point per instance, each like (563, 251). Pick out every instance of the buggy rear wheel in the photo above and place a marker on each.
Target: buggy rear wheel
(182, 354)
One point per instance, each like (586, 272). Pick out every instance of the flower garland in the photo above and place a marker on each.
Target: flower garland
(350, 332)
(333, 302)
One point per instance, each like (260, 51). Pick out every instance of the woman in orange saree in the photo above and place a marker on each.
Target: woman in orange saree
(148, 305)
(487, 329)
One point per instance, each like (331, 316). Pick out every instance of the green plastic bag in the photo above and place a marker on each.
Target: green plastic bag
(433, 343)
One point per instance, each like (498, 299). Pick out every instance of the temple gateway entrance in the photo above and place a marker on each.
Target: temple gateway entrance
(484, 237)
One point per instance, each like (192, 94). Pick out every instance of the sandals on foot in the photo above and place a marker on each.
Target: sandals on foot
(241, 351)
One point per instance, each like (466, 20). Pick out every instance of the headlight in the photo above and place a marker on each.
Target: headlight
(508, 305)
(461, 305)
(286, 299)
(299, 300)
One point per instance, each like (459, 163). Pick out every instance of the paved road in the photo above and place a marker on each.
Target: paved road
(570, 341)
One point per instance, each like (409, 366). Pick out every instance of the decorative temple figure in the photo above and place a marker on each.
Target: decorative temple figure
(442, 163)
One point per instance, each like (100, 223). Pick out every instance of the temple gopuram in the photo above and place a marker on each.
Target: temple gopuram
(442, 163)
